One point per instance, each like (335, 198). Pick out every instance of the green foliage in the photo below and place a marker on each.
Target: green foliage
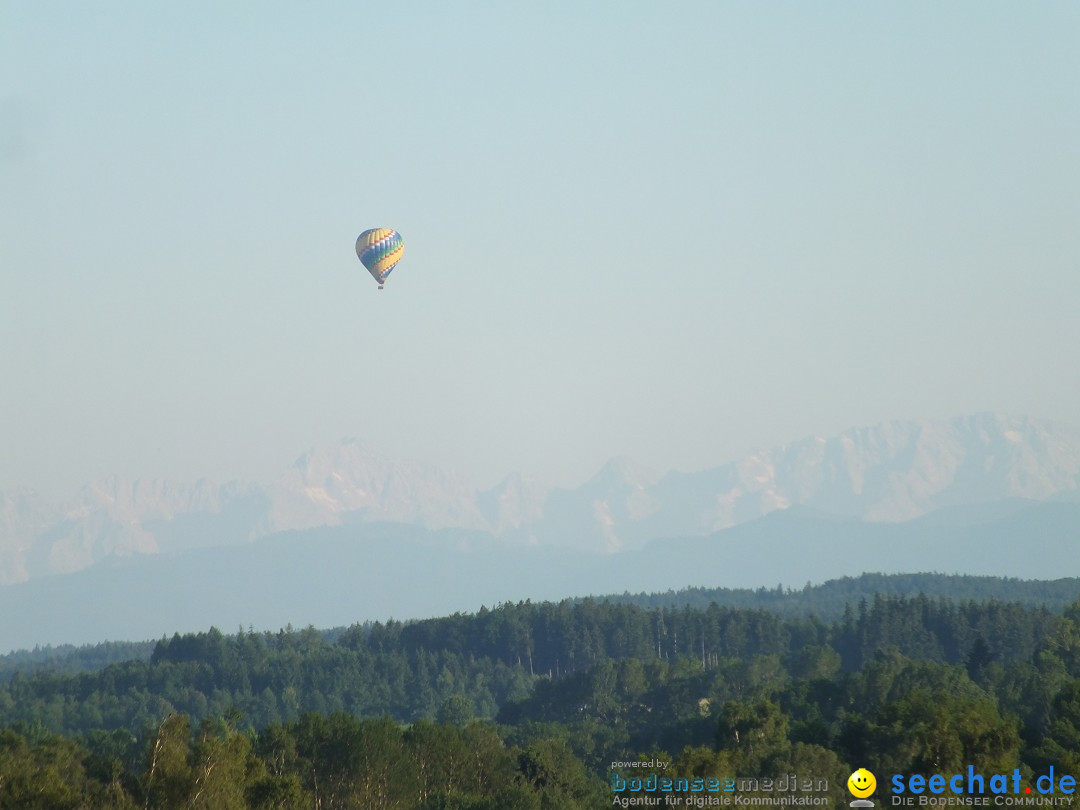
(400, 714)
(50, 774)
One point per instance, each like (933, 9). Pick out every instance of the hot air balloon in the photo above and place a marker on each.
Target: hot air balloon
(379, 249)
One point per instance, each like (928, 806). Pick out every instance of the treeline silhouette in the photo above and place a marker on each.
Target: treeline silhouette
(827, 601)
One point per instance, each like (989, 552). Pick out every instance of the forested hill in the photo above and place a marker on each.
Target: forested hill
(826, 601)
(529, 705)
(481, 663)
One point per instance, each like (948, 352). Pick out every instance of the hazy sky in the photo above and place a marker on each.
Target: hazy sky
(675, 232)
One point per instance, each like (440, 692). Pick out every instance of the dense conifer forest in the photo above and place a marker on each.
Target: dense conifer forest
(529, 705)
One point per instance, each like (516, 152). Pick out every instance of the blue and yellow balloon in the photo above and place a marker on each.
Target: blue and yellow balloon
(379, 250)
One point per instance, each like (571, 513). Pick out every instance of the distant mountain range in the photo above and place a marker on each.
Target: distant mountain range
(890, 473)
(333, 576)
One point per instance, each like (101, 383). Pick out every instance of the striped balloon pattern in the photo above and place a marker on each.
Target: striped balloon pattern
(380, 250)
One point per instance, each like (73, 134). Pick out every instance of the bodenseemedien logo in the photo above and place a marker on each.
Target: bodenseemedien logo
(861, 784)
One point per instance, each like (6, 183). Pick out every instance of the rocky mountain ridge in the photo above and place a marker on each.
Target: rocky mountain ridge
(888, 473)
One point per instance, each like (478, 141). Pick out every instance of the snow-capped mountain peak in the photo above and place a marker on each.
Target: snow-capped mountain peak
(895, 471)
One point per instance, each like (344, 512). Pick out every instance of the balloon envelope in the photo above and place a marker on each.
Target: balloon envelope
(380, 249)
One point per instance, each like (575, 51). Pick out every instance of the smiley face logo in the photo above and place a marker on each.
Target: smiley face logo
(861, 783)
